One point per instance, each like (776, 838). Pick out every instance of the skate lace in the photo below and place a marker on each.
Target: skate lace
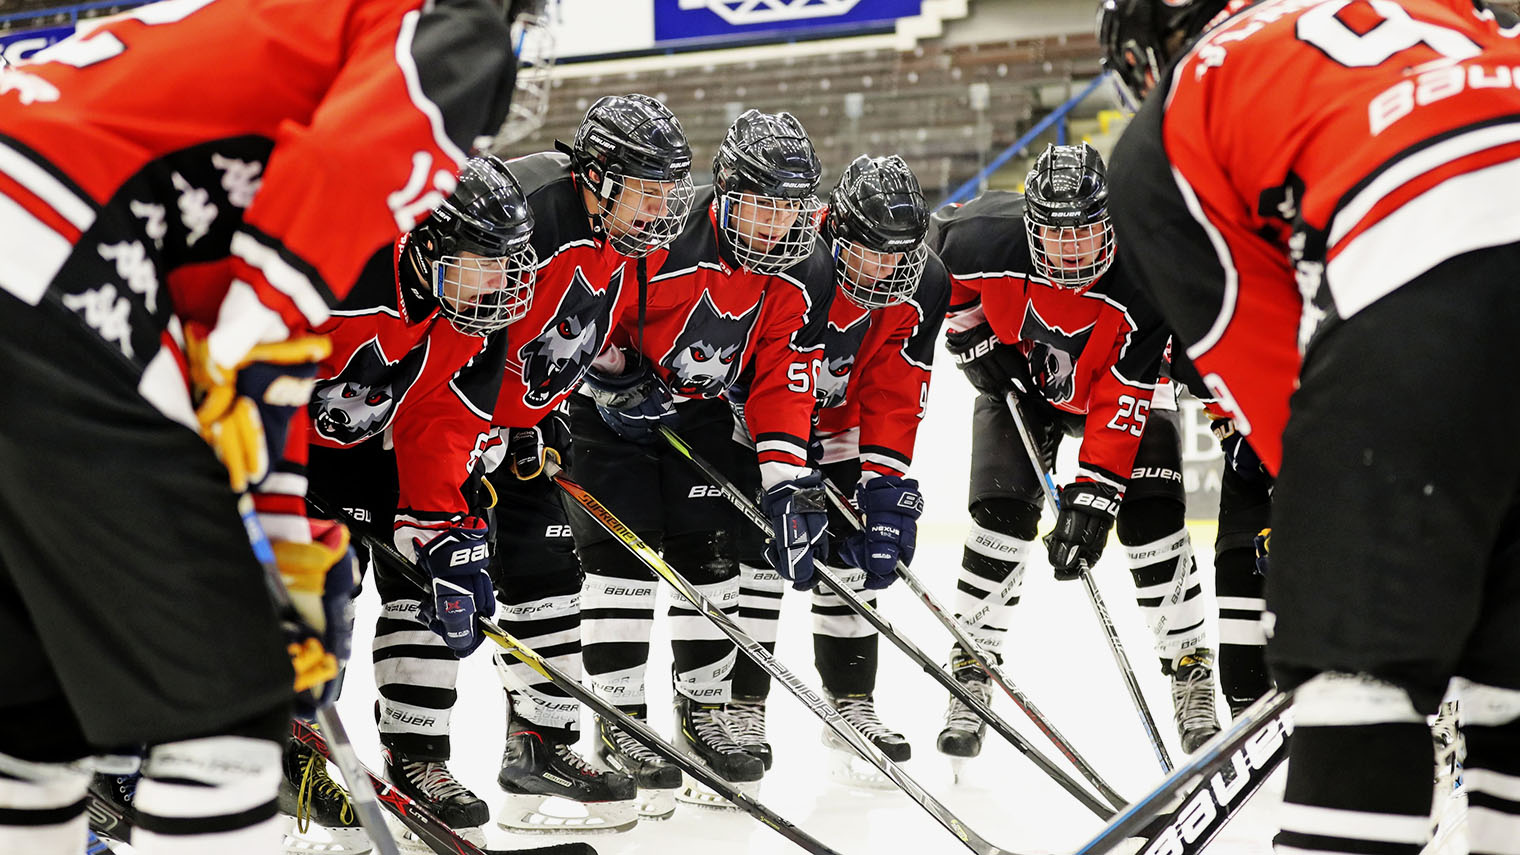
(746, 722)
(434, 779)
(1193, 697)
(962, 717)
(1450, 748)
(861, 713)
(564, 752)
(315, 785)
(632, 748)
(711, 729)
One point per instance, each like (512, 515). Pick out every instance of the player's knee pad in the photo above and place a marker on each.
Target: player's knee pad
(1146, 519)
(704, 558)
(1487, 706)
(207, 786)
(1338, 699)
(612, 558)
(1012, 517)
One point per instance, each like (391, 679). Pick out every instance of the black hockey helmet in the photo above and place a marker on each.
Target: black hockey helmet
(766, 172)
(634, 138)
(1140, 38)
(488, 217)
(1071, 239)
(534, 46)
(877, 217)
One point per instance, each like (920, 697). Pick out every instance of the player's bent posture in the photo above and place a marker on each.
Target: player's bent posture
(1042, 307)
(878, 349)
(745, 282)
(1347, 240)
(153, 624)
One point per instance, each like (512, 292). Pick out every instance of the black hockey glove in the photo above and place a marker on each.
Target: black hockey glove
(1238, 454)
(456, 560)
(633, 404)
(992, 367)
(799, 515)
(1087, 513)
(528, 447)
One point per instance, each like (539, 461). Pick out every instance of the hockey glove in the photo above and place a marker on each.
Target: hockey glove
(527, 448)
(634, 404)
(457, 560)
(1263, 543)
(1087, 513)
(1238, 454)
(891, 507)
(799, 516)
(245, 410)
(322, 578)
(992, 367)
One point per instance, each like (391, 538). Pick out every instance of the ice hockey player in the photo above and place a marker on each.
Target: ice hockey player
(604, 208)
(873, 387)
(1042, 308)
(1347, 245)
(400, 414)
(746, 282)
(152, 625)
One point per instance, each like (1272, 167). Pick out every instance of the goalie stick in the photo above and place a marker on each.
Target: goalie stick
(984, 661)
(577, 690)
(1147, 721)
(872, 616)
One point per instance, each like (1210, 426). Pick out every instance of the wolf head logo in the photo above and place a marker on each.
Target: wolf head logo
(704, 360)
(359, 402)
(556, 359)
(839, 348)
(1053, 358)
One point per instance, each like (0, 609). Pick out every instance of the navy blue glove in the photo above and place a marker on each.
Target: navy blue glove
(1263, 544)
(992, 367)
(891, 507)
(457, 560)
(1238, 454)
(1087, 513)
(798, 511)
(634, 404)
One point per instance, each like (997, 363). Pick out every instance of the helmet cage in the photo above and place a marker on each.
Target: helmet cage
(625, 147)
(533, 43)
(480, 295)
(877, 291)
(741, 213)
(1071, 256)
(624, 200)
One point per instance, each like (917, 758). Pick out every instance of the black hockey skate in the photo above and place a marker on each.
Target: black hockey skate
(846, 764)
(110, 808)
(746, 721)
(657, 779)
(308, 796)
(703, 732)
(964, 730)
(1193, 698)
(431, 785)
(534, 772)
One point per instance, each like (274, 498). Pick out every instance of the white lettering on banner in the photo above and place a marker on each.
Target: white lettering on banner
(240, 178)
(195, 208)
(135, 269)
(155, 220)
(107, 313)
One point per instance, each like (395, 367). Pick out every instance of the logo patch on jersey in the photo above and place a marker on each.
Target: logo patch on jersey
(360, 401)
(705, 357)
(840, 346)
(1053, 358)
(556, 359)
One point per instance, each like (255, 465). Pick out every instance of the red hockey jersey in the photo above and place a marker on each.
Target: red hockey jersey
(706, 319)
(399, 366)
(1097, 353)
(874, 382)
(1303, 160)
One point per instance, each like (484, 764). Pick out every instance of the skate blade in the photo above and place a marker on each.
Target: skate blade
(697, 793)
(548, 814)
(321, 840)
(856, 771)
(656, 805)
(408, 843)
(959, 768)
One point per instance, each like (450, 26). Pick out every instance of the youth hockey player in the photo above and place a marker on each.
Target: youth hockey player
(873, 386)
(747, 282)
(1040, 307)
(1343, 241)
(151, 625)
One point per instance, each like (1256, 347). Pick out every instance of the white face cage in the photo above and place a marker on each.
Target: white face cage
(481, 295)
(533, 41)
(642, 215)
(768, 234)
(1071, 256)
(876, 280)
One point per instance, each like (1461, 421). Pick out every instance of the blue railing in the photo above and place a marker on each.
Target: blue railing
(968, 189)
(72, 11)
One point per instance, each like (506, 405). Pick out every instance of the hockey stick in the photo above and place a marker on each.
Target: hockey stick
(766, 660)
(433, 832)
(873, 617)
(577, 690)
(1099, 607)
(983, 659)
(361, 795)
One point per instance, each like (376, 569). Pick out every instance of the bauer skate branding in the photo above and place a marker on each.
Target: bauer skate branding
(1215, 800)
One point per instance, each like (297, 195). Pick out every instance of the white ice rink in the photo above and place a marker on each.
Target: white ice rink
(1058, 657)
